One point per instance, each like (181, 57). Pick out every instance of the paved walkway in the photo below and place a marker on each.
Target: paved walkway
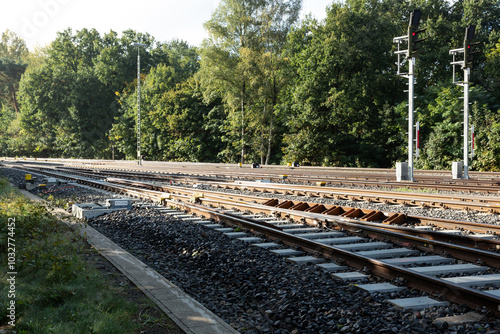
(187, 313)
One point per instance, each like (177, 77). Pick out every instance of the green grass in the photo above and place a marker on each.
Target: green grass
(412, 190)
(57, 290)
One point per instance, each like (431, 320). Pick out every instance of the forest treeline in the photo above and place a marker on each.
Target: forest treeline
(264, 87)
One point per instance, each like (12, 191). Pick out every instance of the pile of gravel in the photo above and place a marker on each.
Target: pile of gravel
(258, 292)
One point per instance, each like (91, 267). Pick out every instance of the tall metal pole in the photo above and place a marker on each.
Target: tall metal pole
(466, 64)
(412, 39)
(139, 159)
(411, 78)
(466, 122)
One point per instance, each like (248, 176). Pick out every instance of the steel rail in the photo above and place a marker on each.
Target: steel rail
(444, 223)
(374, 231)
(475, 227)
(456, 185)
(345, 176)
(423, 240)
(93, 162)
(461, 202)
(457, 201)
(469, 241)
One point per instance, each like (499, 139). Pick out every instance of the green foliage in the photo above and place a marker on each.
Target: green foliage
(69, 102)
(493, 70)
(242, 62)
(56, 290)
(7, 117)
(341, 87)
(179, 62)
(175, 121)
(261, 87)
(443, 145)
(70, 111)
(13, 51)
(488, 144)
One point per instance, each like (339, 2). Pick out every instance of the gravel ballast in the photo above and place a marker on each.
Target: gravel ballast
(256, 291)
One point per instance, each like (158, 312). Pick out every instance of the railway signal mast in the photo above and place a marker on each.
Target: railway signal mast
(466, 64)
(413, 40)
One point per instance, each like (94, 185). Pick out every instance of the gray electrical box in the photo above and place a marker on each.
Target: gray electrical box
(119, 203)
(457, 169)
(401, 171)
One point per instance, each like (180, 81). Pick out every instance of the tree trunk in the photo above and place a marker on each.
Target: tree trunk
(262, 148)
(14, 101)
(269, 142)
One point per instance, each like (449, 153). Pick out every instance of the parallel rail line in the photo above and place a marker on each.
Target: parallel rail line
(485, 182)
(330, 210)
(487, 204)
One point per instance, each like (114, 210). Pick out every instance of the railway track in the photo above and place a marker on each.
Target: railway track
(388, 251)
(480, 232)
(384, 259)
(480, 182)
(489, 204)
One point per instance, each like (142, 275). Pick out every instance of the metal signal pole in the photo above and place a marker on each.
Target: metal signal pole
(466, 65)
(412, 40)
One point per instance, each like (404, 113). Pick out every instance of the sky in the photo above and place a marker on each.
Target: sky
(38, 21)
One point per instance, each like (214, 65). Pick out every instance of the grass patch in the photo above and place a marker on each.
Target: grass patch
(57, 290)
(412, 190)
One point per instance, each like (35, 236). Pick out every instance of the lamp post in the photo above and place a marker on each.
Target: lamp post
(139, 45)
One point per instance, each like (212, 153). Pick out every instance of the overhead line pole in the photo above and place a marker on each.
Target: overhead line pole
(139, 155)
(466, 122)
(411, 82)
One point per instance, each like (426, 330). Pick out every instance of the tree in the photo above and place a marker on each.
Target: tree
(13, 52)
(487, 156)
(13, 47)
(267, 67)
(66, 109)
(443, 145)
(342, 82)
(116, 64)
(233, 61)
(493, 72)
(69, 101)
(180, 116)
(10, 75)
(169, 99)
